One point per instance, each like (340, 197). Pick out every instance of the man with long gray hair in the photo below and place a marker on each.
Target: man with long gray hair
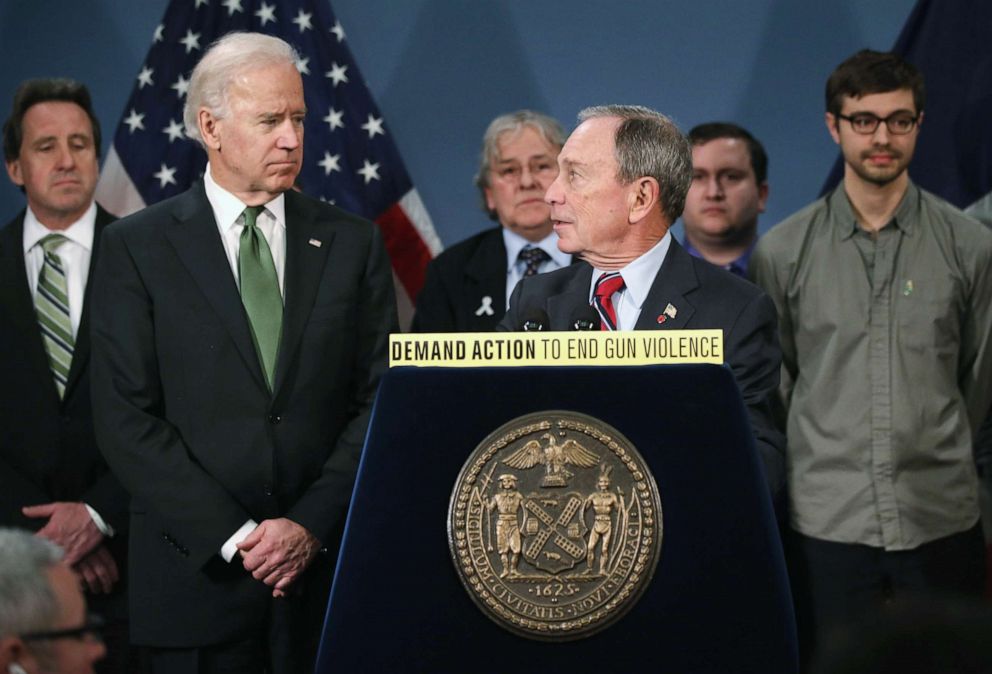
(622, 181)
(238, 343)
(467, 286)
(43, 624)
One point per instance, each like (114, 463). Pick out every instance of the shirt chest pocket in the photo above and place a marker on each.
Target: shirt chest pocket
(928, 310)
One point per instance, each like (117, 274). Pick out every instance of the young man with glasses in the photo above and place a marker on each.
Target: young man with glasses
(44, 628)
(883, 293)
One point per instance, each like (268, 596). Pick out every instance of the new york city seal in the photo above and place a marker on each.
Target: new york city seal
(555, 525)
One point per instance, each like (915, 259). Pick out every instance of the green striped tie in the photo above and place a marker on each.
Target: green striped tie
(51, 303)
(260, 292)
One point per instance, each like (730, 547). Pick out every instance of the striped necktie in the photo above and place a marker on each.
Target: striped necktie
(602, 298)
(51, 304)
(260, 292)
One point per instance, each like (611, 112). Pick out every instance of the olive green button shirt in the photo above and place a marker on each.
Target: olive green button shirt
(886, 347)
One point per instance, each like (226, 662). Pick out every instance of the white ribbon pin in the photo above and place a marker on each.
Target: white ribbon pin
(486, 308)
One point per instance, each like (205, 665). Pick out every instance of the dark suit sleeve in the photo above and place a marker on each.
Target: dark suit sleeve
(435, 312)
(754, 355)
(141, 447)
(511, 318)
(109, 498)
(18, 490)
(323, 505)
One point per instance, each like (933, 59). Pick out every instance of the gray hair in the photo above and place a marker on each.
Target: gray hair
(27, 602)
(227, 58)
(512, 122)
(649, 144)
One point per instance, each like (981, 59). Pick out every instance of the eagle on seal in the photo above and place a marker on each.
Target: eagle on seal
(554, 457)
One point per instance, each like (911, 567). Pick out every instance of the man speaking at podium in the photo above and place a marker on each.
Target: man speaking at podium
(623, 178)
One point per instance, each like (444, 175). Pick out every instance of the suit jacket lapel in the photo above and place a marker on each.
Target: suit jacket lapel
(561, 307)
(487, 268)
(305, 261)
(17, 303)
(674, 281)
(195, 237)
(81, 350)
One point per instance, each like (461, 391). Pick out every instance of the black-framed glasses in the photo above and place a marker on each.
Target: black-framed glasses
(865, 123)
(93, 627)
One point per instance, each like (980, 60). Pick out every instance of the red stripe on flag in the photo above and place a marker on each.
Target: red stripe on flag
(407, 251)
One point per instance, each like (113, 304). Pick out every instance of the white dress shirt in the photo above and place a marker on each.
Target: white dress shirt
(638, 276)
(74, 253)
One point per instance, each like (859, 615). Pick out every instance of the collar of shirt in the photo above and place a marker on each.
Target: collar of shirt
(515, 243)
(80, 232)
(228, 208)
(906, 217)
(738, 266)
(638, 277)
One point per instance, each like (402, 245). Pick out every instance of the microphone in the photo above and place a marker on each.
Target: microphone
(585, 318)
(535, 319)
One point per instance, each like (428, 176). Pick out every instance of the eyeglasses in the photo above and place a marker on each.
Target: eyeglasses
(93, 628)
(541, 168)
(865, 123)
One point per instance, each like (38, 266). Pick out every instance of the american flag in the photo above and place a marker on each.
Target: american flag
(349, 158)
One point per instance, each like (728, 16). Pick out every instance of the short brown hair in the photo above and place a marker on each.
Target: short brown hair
(32, 92)
(873, 72)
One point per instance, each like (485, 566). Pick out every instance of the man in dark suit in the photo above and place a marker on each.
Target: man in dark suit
(623, 178)
(466, 286)
(238, 343)
(54, 480)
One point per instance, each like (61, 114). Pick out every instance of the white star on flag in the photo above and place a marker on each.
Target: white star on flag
(166, 175)
(134, 121)
(303, 20)
(374, 126)
(266, 13)
(333, 119)
(158, 33)
(338, 31)
(329, 163)
(191, 41)
(200, 2)
(336, 73)
(181, 86)
(174, 130)
(301, 65)
(145, 77)
(370, 172)
(232, 6)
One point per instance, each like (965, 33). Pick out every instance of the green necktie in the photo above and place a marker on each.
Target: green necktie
(51, 304)
(260, 292)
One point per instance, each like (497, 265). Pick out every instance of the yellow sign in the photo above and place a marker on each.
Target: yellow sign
(510, 349)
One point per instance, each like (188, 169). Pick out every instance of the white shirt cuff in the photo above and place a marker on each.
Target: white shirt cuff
(104, 528)
(230, 548)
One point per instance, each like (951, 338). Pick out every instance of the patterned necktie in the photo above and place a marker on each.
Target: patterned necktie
(51, 304)
(602, 299)
(532, 257)
(260, 292)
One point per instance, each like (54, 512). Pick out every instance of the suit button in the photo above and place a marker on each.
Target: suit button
(268, 489)
(274, 418)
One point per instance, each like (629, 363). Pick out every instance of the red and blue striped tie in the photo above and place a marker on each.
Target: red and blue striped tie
(606, 286)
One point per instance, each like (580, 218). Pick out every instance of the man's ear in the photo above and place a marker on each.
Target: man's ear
(209, 128)
(14, 171)
(831, 121)
(644, 196)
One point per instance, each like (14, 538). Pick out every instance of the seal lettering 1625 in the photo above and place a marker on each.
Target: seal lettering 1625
(555, 525)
